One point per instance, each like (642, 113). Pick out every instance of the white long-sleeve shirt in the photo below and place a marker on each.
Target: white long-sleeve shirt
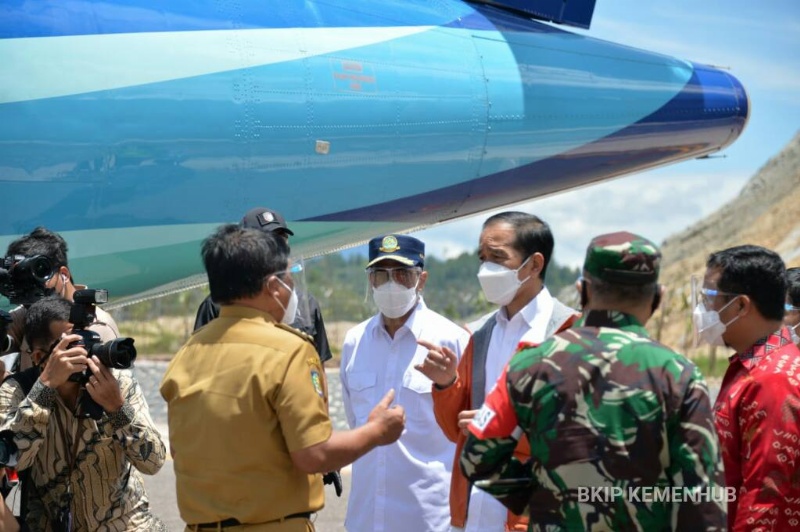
(403, 486)
(485, 513)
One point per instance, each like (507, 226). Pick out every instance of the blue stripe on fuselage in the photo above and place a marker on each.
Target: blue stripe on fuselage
(711, 111)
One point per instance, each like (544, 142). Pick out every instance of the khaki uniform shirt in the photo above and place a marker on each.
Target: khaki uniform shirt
(243, 393)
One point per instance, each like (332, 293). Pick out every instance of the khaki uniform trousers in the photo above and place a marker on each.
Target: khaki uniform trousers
(285, 525)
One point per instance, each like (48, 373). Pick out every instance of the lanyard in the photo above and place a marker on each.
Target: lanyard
(71, 458)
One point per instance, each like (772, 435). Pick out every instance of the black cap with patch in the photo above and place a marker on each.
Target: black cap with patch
(266, 220)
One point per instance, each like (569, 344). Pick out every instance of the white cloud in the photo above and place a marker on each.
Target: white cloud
(654, 204)
(733, 21)
(770, 76)
(754, 66)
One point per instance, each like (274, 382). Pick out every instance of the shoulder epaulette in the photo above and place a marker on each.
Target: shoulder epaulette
(308, 338)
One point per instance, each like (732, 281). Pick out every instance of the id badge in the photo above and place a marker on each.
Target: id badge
(63, 521)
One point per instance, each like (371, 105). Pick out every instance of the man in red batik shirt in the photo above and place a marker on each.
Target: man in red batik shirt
(757, 414)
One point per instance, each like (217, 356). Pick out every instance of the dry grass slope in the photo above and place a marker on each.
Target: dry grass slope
(766, 213)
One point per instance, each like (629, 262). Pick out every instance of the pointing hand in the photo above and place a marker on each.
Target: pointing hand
(440, 365)
(389, 420)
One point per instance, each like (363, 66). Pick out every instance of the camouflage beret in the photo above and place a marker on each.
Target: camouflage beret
(623, 258)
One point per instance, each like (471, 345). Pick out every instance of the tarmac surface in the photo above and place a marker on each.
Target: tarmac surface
(161, 487)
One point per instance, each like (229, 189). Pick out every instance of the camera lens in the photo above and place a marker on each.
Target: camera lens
(118, 353)
(41, 268)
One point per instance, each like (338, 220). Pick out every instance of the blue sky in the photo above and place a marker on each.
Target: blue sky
(758, 41)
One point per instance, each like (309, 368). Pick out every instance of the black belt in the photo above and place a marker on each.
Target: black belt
(227, 523)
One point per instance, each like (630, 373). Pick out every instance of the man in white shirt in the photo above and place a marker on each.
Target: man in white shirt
(514, 250)
(403, 486)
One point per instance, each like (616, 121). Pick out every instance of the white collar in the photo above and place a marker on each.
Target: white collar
(540, 305)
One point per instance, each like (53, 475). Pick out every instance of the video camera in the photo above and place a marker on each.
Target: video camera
(5, 321)
(118, 353)
(8, 458)
(23, 279)
(8, 449)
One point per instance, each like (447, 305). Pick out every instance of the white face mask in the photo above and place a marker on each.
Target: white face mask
(707, 326)
(500, 284)
(290, 310)
(793, 333)
(393, 299)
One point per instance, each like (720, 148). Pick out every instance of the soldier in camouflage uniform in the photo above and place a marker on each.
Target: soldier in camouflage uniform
(604, 406)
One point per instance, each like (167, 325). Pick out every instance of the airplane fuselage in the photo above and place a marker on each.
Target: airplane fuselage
(135, 128)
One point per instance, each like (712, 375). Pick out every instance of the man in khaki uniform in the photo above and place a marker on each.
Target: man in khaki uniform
(248, 422)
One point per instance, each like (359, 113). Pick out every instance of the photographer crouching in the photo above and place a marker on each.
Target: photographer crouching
(80, 465)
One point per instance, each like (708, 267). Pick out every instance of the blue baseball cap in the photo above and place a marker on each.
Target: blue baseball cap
(402, 248)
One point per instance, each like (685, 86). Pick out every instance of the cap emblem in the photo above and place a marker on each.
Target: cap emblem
(389, 244)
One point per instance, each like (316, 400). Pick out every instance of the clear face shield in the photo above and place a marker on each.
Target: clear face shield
(791, 315)
(706, 323)
(393, 289)
(696, 299)
(791, 319)
(296, 276)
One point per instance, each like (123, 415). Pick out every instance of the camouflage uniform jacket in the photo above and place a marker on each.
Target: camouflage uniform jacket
(603, 406)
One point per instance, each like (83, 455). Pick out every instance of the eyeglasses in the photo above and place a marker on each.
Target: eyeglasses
(709, 293)
(789, 308)
(46, 350)
(404, 276)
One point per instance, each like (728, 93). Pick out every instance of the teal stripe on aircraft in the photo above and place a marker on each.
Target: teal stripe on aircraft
(130, 262)
(113, 61)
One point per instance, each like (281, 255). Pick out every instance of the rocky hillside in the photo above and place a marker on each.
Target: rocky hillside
(766, 213)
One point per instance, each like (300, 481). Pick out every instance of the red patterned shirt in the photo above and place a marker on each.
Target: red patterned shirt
(757, 415)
